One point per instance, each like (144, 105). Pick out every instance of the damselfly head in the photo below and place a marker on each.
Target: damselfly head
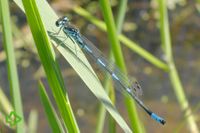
(62, 21)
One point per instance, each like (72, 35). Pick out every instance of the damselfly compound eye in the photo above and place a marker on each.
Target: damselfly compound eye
(58, 23)
(65, 19)
(62, 21)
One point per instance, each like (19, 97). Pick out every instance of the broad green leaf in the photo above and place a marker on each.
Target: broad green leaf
(50, 65)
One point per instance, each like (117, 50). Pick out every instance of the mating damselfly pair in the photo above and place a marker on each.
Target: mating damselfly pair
(133, 89)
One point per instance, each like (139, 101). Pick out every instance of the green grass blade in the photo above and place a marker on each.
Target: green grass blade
(119, 23)
(5, 103)
(121, 15)
(126, 41)
(112, 123)
(117, 52)
(50, 65)
(5, 109)
(2, 121)
(174, 77)
(11, 64)
(53, 119)
(33, 121)
(112, 34)
(49, 18)
(102, 111)
(100, 119)
(183, 123)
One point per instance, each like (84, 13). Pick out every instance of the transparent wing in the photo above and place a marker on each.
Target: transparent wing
(109, 66)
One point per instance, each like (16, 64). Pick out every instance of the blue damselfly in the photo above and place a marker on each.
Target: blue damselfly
(133, 89)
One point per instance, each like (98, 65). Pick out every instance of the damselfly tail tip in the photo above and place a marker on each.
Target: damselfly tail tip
(163, 122)
(158, 119)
